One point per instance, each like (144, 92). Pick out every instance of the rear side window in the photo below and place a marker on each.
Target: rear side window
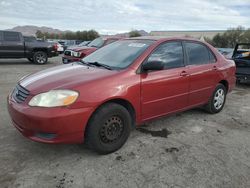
(198, 54)
(170, 53)
(1, 35)
(11, 36)
(212, 58)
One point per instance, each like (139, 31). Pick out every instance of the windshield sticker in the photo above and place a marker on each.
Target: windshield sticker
(137, 45)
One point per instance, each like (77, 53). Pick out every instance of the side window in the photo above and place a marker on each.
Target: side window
(212, 57)
(198, 54)
(170, 53)
(1, 35)
(11, 36)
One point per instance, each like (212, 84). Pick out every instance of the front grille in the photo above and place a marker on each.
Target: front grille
(67, 52)
(20, 94)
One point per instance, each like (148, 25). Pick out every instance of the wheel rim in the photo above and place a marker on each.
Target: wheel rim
(112, 129)
(40, 58)
(219, 99)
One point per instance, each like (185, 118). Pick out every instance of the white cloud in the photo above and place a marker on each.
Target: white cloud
(123, 15)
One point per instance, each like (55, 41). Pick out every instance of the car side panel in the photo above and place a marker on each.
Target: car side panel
(202, 83)
(163, 92)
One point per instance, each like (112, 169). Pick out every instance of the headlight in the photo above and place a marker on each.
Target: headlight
(76, 54)
(54, 98)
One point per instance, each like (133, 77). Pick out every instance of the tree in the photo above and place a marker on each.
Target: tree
(230, 38)
(233, 36)
(134, 33)
(219, 41)
(39, 34)
(92, 34)
(69, 35)
(246, 36)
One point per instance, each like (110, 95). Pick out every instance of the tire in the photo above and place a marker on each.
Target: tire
(108, 128)
(30, 59)
(40, 57)
(218, 99)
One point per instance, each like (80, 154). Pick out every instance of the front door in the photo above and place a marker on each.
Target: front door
(165, 91)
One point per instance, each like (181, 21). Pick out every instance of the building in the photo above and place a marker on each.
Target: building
(195, 34)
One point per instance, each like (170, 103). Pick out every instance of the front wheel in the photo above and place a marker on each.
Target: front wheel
(218, 99)
(108, 128)
(40, 57)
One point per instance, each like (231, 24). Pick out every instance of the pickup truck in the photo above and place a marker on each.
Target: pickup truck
(241, 56)
(15, 45)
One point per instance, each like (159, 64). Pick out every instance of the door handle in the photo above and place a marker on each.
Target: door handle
(183, 73)
(215, 68)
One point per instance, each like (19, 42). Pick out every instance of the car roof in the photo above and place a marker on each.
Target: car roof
(110, 38)
(163, 38)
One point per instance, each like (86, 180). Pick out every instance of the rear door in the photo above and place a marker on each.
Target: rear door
(165, 91)
(202, 71)
(12, 45)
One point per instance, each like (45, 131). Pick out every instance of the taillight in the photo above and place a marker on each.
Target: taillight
(55, 47)
(82, 55)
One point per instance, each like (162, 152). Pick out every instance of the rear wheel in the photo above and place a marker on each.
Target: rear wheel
(218, 99)
(40, 57)
(108, 128)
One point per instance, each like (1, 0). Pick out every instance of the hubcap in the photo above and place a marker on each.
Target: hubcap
(111, 130)
(40, 58)
(219, 98)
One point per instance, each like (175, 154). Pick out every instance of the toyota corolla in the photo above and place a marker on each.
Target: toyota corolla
(99, 99)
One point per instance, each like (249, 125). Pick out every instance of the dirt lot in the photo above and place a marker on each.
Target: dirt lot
(190, 149)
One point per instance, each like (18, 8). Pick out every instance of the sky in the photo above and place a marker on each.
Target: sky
(118, 16)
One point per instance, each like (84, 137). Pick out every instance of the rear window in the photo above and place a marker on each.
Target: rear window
(29, 39)
(212, 57)
(97, 43)
(11, 36)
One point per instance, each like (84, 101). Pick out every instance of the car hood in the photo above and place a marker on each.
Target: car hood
(63, 77)
(82, 48)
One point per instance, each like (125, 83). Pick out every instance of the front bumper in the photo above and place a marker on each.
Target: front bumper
(53, 53)
(49, 125)
(70, 59)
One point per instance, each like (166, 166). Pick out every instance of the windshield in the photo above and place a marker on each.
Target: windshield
(96, 43)
(29, 39)
(83, 43)
(120, 54)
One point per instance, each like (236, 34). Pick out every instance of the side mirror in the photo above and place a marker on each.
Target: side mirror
(153, 65)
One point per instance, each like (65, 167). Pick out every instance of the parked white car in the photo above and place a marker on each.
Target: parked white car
(60, 48)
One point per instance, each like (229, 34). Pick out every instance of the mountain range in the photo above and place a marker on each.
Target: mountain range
(30, 30)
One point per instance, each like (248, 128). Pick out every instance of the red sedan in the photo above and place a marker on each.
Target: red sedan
(100, 98)
(79, 52)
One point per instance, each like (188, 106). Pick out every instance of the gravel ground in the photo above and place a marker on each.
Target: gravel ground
(190, 149)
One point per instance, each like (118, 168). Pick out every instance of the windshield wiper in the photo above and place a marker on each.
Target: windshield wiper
(100, 65)
(84, 62)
